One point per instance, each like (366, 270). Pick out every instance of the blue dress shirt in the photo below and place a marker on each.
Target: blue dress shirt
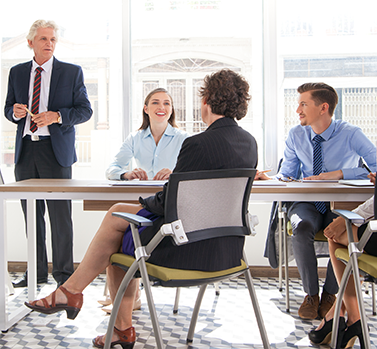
(343, 146)
(141, 146)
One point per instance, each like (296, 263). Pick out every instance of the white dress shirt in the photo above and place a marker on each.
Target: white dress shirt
(43, 99)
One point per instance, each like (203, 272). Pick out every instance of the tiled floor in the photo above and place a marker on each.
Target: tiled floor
(225, 321)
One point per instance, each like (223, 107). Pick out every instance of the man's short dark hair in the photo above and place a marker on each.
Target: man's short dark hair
(321, 93)
(227, 93)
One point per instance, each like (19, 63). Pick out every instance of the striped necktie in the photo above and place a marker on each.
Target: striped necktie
(36, 95)
(317, 168)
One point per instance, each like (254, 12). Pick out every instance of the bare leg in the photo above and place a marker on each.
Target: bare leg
(349, 299)
(124, 318)
(97, 258)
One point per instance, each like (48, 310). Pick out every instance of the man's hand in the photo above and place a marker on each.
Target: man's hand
(162, 175)
(19, 110)
(372, 177)
(137, 173)
(46, 118)
(327, 175)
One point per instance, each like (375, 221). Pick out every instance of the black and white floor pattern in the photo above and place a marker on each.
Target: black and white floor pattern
(225, 321)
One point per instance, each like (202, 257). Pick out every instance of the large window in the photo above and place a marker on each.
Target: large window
(333, 42)
(129, 47)
(91, 36)
(175, 44)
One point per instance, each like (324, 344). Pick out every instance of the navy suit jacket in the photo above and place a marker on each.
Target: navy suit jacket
(67, 95)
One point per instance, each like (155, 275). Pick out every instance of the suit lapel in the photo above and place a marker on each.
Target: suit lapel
(55, 75)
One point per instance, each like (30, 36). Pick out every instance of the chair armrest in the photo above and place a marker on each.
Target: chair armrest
(133, 218)
(353, 217)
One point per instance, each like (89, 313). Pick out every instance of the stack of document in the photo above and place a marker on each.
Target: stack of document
(357, 182)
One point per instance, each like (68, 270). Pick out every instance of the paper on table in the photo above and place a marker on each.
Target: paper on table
(139, 183)
(357, 182)
(269, 182)
(320, 180)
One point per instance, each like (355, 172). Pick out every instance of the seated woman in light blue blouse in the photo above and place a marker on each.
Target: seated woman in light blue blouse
(155, 146)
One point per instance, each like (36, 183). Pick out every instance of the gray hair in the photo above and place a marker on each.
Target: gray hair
(41, 23)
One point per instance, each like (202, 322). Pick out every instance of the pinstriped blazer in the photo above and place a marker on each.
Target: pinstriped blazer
(224, 145)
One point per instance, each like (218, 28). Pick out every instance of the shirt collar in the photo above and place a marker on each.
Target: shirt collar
(325, 134)
(47, 66)
(169, 131)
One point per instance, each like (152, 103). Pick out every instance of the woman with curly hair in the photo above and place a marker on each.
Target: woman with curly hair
(224, 145)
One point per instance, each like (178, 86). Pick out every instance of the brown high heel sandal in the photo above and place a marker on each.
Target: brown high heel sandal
(73, 306)
(126, 339)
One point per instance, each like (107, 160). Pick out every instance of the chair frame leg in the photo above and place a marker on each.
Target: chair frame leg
(286, 262)
(374, 298)
(138, 264)
(254, 301)
(118, 298)
(280, 223)
(195, 313)
(176, 301)
(352, 267)
(257, 311)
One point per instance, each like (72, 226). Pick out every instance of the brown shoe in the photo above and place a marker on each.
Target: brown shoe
(126, 339)
(309, 308)
(72, 308)
(327, 301)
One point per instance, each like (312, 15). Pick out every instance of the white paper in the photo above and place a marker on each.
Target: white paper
(137, 182)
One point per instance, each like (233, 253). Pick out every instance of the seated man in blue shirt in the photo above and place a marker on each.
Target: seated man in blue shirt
(336, 156)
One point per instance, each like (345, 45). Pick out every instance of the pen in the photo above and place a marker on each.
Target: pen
(29, 111)
(265, 171)
(366, 167)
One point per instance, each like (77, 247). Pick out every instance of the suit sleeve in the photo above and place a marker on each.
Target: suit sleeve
(80, 111)
(10, 99)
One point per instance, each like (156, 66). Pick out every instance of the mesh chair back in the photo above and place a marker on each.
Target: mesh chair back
(211, 202)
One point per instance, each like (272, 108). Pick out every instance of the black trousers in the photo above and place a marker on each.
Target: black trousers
(38, 160)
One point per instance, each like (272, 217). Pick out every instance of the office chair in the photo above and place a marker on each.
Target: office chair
(319, 238)
(199, 205)
(357, 262)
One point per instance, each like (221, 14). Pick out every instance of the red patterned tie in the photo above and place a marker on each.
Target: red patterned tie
(36, 94)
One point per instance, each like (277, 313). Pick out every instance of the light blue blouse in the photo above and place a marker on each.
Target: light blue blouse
(141, 146)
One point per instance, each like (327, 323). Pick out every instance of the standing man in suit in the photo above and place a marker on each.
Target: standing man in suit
(320, 148)
(46, 99)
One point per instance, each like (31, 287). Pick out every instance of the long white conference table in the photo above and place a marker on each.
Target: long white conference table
(102, 190)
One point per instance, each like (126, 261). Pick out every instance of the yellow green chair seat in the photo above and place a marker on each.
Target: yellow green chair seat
(367, 263)
(178, 277)
(318, 237)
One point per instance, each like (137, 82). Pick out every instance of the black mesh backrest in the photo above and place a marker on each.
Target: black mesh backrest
(210, 203)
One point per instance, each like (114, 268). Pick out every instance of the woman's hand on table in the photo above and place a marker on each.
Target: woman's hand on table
(261, 175)
(162, 175)
(136, 173)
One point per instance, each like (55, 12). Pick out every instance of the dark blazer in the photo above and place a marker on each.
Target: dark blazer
(223, 145)
(67, 95)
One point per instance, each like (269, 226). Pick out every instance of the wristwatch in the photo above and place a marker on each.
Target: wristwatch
(59, 118)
